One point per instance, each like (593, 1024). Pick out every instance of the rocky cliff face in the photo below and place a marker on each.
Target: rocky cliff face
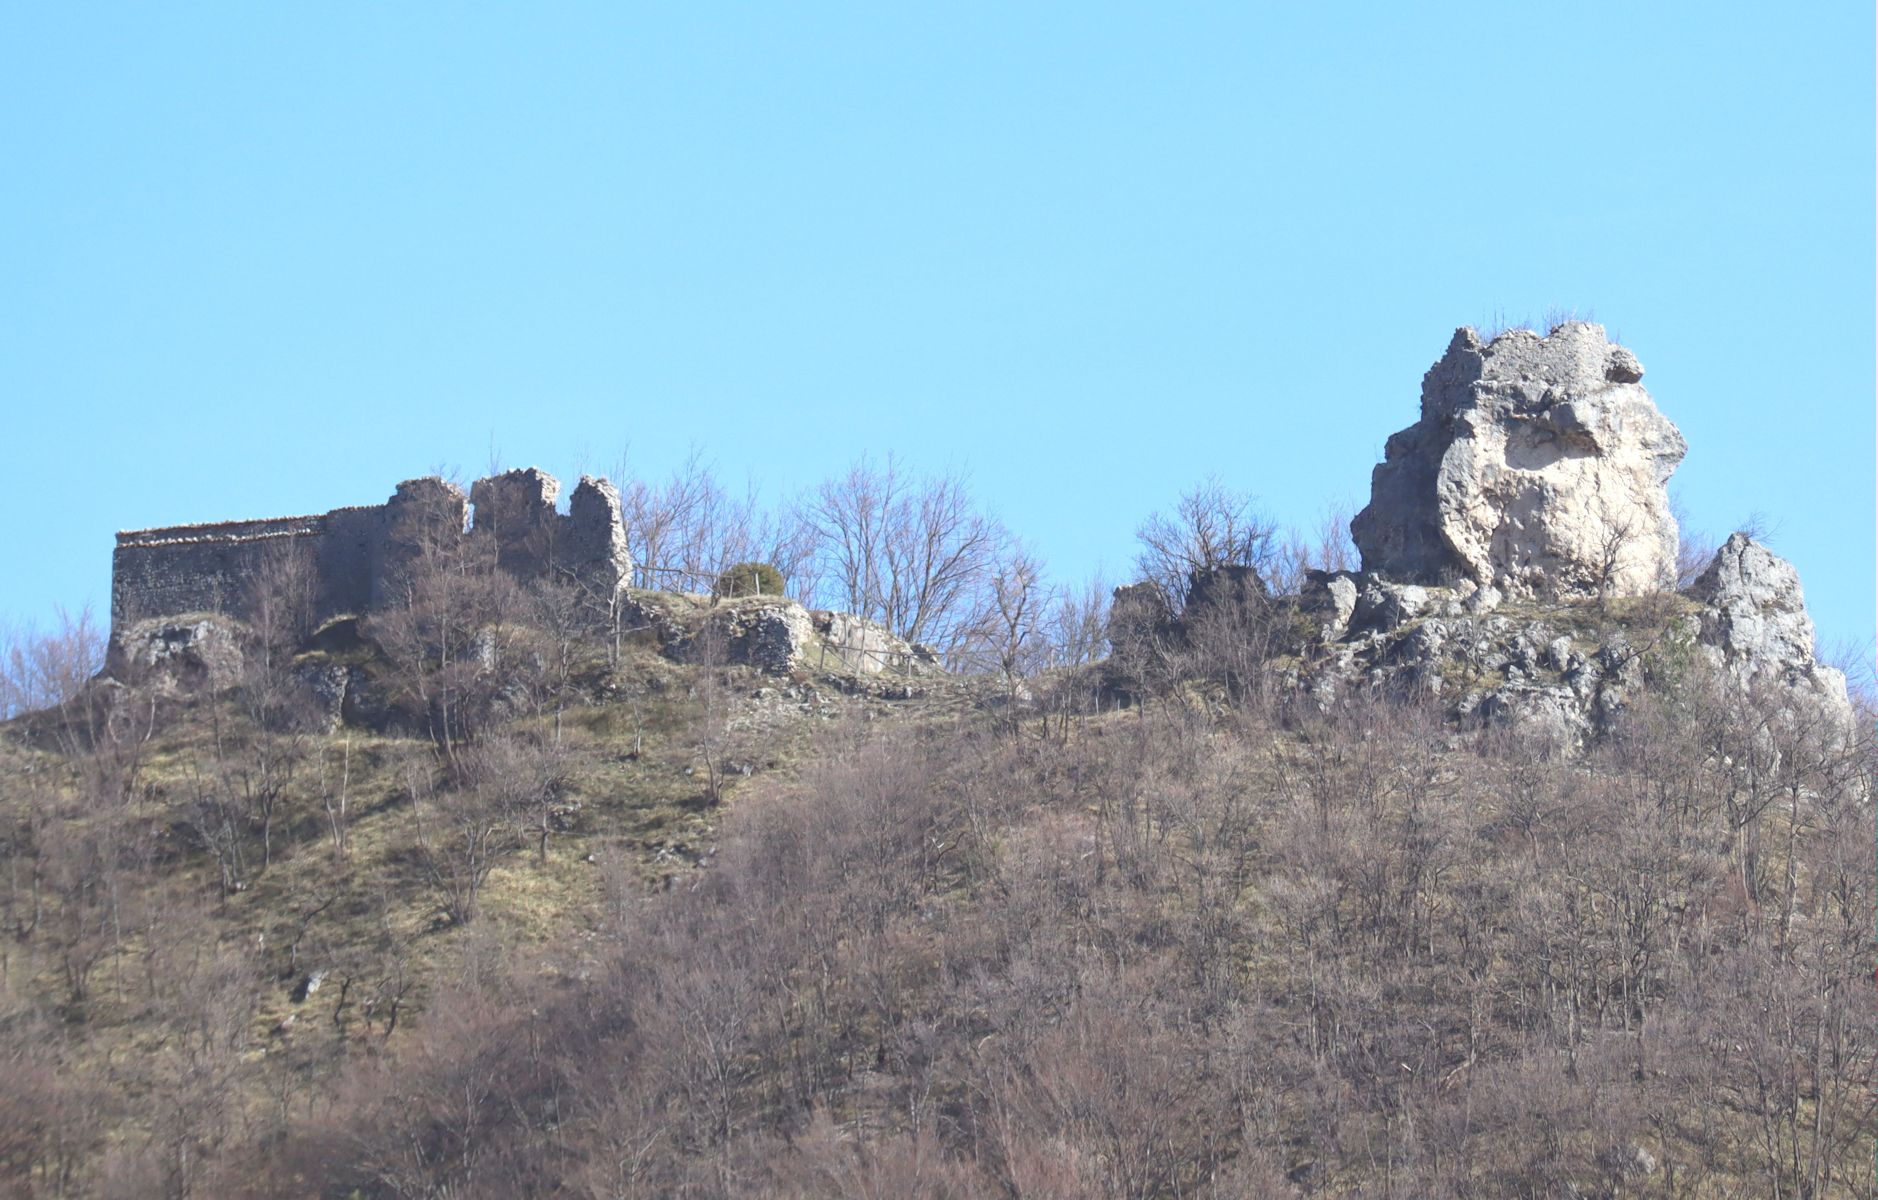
(1570, 670)
(1537, 468)
(1755, 627)
(1519, 564)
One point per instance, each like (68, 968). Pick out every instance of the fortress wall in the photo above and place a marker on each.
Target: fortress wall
(350, 557)
(198, 568)
(358, 554)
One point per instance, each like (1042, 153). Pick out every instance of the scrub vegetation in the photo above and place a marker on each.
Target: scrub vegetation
(541, 912)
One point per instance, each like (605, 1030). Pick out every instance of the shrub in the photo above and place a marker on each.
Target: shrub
(748, 579)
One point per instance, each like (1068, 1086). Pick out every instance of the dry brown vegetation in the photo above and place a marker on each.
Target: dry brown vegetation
(579, 922)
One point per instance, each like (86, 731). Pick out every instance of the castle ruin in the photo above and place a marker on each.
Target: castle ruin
(355, 553)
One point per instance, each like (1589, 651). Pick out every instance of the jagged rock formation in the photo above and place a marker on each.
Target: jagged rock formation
(1537, 468)
(1569, 670)
(1754, 624)
(1518, 565)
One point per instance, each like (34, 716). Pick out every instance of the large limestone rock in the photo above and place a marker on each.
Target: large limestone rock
(192, 653)
(858, 645)
(769, 633)
(1754, 625)
(1535, 476)
(1537, 468)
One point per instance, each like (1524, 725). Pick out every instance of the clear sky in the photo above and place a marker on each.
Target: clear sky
(259, 259)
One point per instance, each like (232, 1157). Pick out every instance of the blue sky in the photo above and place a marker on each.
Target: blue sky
(262, 259)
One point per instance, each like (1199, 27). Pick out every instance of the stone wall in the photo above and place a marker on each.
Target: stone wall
(358, 554)
(201, 568)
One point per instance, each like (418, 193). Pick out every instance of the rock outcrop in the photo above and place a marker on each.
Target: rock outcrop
(1518, 567)
(193, 653)
(1754, 625)
(1537, 468)
(772, 634)
(1570, 670)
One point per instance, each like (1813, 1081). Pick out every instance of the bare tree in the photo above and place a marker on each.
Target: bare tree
(1212, 526)
(1613, 548)
(448, 627)
(1011, 638)
(520, 776)
(1694, 548)
(913, 554)
(686, 531)
(1076, 625)
(1325, 548)
(461, 833)
(49, 670)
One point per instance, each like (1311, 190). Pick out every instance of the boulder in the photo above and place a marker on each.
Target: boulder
(774, 634)
(865, 648)
(1382, 605)
(770, 634)
(327, 686)
(1537, 468)
(1552, 714)
(1329, 597)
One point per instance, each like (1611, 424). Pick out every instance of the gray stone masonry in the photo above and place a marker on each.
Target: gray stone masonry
(357, 555)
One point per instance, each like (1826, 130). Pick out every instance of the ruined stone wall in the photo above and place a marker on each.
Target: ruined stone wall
(359, 554)
(199, 568)
(350, 559)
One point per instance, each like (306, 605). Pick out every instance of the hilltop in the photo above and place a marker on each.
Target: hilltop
(468, 846)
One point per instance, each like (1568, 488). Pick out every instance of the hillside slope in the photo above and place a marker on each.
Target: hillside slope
(700, 930)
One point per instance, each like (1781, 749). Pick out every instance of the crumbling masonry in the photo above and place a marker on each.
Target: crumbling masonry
(355, 553)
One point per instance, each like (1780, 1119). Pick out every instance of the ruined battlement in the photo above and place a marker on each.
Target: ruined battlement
(224, 531)
(354, 552)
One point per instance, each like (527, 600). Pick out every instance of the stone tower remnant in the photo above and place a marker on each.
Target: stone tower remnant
(356, 555)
